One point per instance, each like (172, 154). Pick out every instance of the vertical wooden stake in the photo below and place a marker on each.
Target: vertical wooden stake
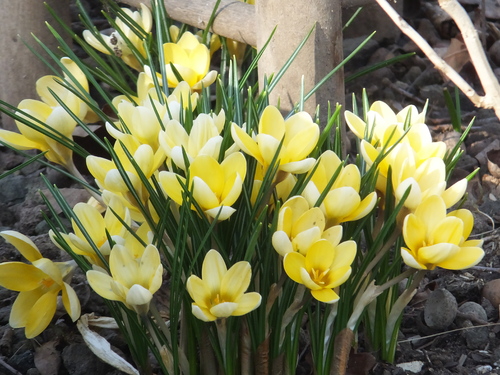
(322, 52)
(19, 68)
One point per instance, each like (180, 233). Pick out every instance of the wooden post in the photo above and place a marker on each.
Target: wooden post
(322, 52)
(19, 68)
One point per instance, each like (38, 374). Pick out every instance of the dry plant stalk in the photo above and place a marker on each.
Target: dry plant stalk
(491, 98)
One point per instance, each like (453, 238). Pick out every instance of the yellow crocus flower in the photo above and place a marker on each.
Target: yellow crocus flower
(97, 228)
(215, 187)
(132, 280)
(39, 284)
(117, 43)
(203, 139)
(298, 135)
(220, 292)
(342, 203)
(324, 266)
(56, 119)
(191, 59)
(435, 239)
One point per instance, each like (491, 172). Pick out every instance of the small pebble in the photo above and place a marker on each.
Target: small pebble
(440, 309)
(491, 291)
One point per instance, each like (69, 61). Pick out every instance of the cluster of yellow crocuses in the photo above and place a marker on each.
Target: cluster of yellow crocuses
(153, 143)
(433, 238)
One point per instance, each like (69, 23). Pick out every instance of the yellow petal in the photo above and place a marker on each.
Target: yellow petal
(248, 302)
(19, 141)
(304, 240)
(22, 306)
(431, 211)
(356, 125)
(123, 266)
(410, 260)
(199, 291)
(221, 213)
(245, 142)
(293, 263)
(341, 202)
(414, 232)
(272, 123)
(213, 270)
(101, 284)
(170, 183)
(320, 256)
(454, 193)
(449, 230)
(437, 253)
(204, 195)
(41, 315)
(311, 218)
(333, 234)
(325, 295)
(281, 243)
(202, 313)
(23, 244)
(466, 257)
(20, 276)
(467, 219)
(236, 281)
(364, 208)
(224, 309)
(71, 302)
(345, 253)
(208, 169)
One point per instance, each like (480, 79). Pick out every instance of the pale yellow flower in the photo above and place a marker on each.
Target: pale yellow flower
(220, 292)
(132, 281)
(425, 179)
(98, 228)
(48, 111)
(203, 139)
(39, 284)
(342, 203)
(298, 135)
(324, 266)
(215, 187)
(116, 43)
(435, 239)
(191, 59)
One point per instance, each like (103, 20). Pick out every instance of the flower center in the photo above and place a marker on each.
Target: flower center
(217, 299)
(318, 276)
(47, 282)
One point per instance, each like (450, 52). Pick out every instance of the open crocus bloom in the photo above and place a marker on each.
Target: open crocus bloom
(215, 187)
(298, 135)
(379, 118)
(116, 43)
(55, 118)
(203, 139)
(435, 239)
(191, 59)
(324, 267)
(98, 228)
(299, 226)
(220, 292)
(39, 284)
(343, 202)
(133, 281)
(425, 178)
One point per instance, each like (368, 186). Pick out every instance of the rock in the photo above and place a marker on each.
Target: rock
(79, 360)
(478, 337)
(494, 52)
(13, 189)
(491, 291)
(414, 367)
(364, 54)
(434, 93)
(440, 309)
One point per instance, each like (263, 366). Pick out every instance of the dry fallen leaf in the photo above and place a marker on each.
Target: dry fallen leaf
(48, 358)
(457, 55)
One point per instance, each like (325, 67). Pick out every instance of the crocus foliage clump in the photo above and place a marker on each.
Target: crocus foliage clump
(218, 229)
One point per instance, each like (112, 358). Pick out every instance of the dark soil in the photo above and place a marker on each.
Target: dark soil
(461, 348)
